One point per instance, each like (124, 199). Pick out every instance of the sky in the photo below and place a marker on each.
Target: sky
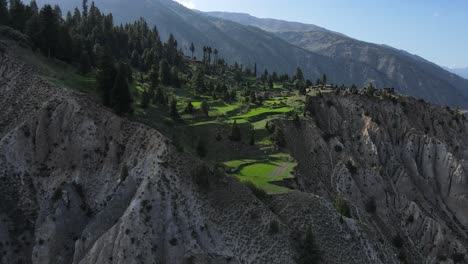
(436, 30)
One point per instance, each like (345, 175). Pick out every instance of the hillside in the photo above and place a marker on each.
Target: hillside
(407, 73)
(82, 185)
(248, 45)
(117, 148)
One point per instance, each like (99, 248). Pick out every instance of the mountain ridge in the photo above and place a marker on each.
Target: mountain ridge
(360, 64)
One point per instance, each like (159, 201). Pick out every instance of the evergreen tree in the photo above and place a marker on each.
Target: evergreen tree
(197, 82)
(154, 81)
(252, 137)
(64, 49)
(33, 7)
(205, 108)
(18, 15)
(324, 79)
(4, 14)
(299, 75)
(33, 29)
(85, 63)
(105, 76)
(49, 30)
(235, 132)
(189, 108)
(135, 59)
(192, 49)
(85, 8)
(121, 96)
(174, 112)
(164, 72)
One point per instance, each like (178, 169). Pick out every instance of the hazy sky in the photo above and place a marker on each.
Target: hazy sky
(434, 29)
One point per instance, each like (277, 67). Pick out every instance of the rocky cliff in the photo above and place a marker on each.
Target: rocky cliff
(401, 163)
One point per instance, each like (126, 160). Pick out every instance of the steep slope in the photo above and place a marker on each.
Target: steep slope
(403, 162)
(407, 73)
(82, 185)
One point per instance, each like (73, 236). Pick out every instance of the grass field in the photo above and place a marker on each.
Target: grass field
(264, 172)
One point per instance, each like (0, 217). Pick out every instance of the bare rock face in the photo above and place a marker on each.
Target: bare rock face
(401, 163)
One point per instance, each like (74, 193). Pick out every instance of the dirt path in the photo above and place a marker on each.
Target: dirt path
(280, 170)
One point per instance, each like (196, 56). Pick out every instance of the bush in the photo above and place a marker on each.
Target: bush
(206, 176)
(274, 227)
(351, 167)
(397, 241)
(342, 206)
(370, 205)
(458, 257)
(278, 137)
(308, 251)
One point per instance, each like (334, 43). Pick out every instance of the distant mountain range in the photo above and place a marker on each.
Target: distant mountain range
(282, 46)
(462, 72)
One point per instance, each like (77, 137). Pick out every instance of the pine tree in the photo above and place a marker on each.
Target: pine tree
(64, 49)
(174, 112)
(135, 59)
(235, 132)
(105, 76)
(49, 30)
(154, 81)
(324, 79)
(205, 108)
(4, 14)
(121, 96)
(299, 75)
(18, 15)
(85, 63)
(33, 29)
(192, 49)
(189, 108)
(164, 72)
(252, 137)
(197, 82)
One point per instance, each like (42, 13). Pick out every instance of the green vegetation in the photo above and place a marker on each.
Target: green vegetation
(216, 111)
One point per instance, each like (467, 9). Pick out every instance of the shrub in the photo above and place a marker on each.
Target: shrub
(397, 241)
(278, 137)
(342, 206)
(235, 132)
(371, 206)
(351, 167)
(458, 257)
(274, 227)
(308, 250)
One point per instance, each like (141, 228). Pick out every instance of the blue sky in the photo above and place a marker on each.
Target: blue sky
(433, 29)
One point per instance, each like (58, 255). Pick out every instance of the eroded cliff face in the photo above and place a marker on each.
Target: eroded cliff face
(402, 164)
(81, 185)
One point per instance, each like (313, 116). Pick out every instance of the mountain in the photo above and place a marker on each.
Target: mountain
(315, 50)
(409, 74)
(379, 180)
(462, 72)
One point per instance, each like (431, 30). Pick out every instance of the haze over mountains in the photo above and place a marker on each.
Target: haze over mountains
(462, 72)
(282, 46)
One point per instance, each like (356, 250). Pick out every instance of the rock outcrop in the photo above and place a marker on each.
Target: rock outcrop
(401, 164)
